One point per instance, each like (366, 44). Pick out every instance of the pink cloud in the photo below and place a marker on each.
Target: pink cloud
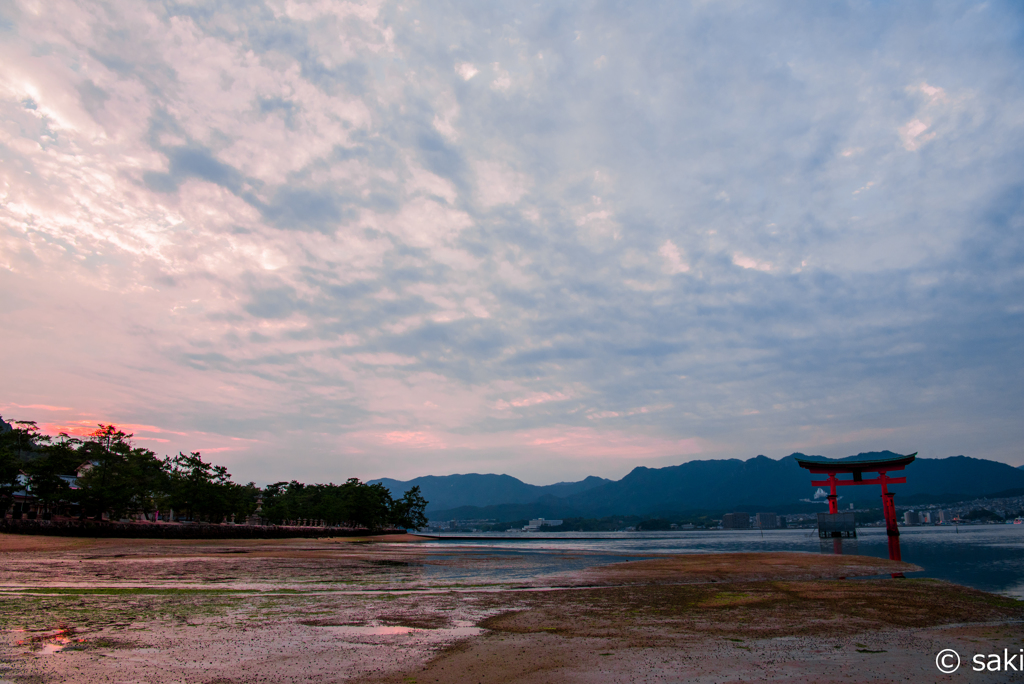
(40, 407)
(414, 439)
(533, 399)
(594, 443)
(84, 428)
(746, 262)
(673, 257)
(571, 442)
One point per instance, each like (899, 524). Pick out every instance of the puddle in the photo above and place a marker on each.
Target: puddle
(368, 630)
(460, 629)
(54, 647)
(48, 644)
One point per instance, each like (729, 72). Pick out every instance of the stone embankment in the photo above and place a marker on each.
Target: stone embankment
(142, 530)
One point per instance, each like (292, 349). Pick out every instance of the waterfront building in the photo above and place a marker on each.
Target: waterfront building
(736, 521)
(767, 521)
(538, 523)
(910, 518)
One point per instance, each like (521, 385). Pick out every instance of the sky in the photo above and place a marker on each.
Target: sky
(320, 240)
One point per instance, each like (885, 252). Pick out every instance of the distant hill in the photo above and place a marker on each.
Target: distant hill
(453, 491)
(759, 483)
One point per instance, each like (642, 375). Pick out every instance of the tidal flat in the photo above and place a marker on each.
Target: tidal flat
(396, 609)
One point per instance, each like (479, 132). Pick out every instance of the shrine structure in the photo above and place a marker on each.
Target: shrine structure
(856, 470)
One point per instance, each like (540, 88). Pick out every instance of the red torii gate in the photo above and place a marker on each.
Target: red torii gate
(857, 469)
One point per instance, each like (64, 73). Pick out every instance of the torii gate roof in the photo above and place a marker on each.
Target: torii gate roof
(872, 466)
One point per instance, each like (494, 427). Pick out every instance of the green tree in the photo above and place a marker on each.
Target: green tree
(199, 488)
(369, 506)
(242, 500)
(24, 439)
(276, 502)
(48, 472)
(353, 504)
(17, 445)
(118, 479)
(10, 469)
(408, 512)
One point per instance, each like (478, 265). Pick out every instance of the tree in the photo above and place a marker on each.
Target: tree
(369, 506)
(18, 442)
(10, 469)
(118, 478)
(24, 438)
(242, 499)
(354, 504)
(276, 502)
(408, 512)
(199, 488)
(48, 474)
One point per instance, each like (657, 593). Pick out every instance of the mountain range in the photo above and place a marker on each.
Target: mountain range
(758, 483)
(454, 491)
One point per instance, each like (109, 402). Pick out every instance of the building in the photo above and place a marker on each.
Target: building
(946, 516)
(766, 521)
(925, 517)
(837, 525)
(736, 521)
(538, 523)
(911, 518)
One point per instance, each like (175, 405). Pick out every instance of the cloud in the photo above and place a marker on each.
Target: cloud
(355, 234)
(538, 398)
(85, 428)
(673, 258)
(913, 135)
(747, 262)
(40, 407)
(497, 185)
(466, 70)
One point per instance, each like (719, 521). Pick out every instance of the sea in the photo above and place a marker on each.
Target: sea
(986, 557)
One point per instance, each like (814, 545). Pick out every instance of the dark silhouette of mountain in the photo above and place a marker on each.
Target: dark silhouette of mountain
(452, 491)
(732, 484)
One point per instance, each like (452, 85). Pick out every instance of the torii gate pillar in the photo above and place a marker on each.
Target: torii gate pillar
(891, 529)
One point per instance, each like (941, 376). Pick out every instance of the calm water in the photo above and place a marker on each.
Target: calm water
(987, 557)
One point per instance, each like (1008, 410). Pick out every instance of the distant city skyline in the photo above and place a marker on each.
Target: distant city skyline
(333, 239)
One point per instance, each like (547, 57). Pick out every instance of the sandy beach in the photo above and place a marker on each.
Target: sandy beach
(403, 610)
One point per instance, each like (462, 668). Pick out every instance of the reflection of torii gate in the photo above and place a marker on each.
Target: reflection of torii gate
(857, 468)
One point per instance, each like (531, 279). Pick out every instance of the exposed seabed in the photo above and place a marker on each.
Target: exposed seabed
(326, 611)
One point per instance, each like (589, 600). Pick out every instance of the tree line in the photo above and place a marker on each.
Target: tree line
(107, 475)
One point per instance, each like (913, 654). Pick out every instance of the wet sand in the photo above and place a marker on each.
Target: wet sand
(380, 610)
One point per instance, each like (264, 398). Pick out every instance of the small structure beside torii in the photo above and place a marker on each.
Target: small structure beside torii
(856, 470)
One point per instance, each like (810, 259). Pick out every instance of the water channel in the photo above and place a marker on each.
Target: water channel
(986, 557)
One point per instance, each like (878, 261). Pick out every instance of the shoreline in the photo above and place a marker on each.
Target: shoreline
(73, 527)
